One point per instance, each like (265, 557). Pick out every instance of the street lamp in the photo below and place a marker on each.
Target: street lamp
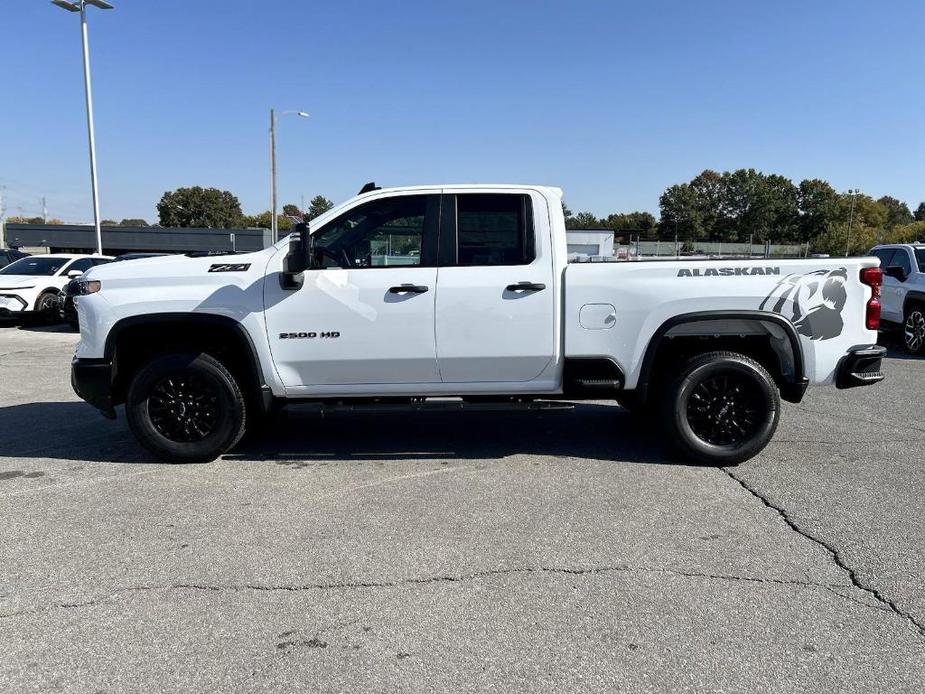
(854, 195)
(273, 119)
(81, 6)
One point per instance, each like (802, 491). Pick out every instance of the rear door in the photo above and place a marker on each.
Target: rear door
(496, 292)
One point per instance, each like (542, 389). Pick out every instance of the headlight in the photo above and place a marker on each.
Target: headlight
(85, 287)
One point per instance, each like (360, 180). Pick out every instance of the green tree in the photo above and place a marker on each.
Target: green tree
(907, 233)
(897, 212)
(318, 206)
(200, 207)
(642, 223)
(583, 220)
(919, 213)
(819, 208)
(758, 206)
(107, 223)
(264, 220)
(694, 210)
(133, 222)
(291, 210)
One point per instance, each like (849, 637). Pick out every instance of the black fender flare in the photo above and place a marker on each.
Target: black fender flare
(795, 384)
(213, 320)
(912, 296)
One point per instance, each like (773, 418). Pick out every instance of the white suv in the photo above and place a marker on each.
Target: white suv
(30, 286)
(903, 293)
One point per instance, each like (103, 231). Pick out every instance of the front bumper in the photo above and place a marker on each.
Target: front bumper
(860, 367)
(91, 379)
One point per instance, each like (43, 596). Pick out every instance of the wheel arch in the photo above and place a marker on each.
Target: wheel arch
(720, 328)
(43, 292)
(913, 297)
(134, 339)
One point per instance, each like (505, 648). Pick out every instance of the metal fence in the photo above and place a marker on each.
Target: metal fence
(711, 249)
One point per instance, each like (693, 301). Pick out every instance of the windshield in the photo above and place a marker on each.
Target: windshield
(920, 258)
(34, 266)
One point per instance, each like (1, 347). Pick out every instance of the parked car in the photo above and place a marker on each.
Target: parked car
(489, 308)
(10, 255)
(903, 293)
(67, 309)
(29, 286)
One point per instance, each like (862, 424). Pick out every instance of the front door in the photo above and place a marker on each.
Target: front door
(496, 290)
(365, 313)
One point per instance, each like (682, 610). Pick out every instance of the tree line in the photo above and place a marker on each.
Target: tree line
(743, 205)
(220, 209)
(748, 205)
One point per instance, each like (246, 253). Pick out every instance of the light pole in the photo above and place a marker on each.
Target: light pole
(853, 194)
(273, 119)
(81, 6)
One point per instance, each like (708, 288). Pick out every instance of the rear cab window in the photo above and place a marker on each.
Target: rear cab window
(494, 229)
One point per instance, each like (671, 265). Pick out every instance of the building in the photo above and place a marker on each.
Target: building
(80, 238)
(589, 243)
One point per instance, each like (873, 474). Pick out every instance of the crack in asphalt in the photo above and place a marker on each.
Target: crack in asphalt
(885, 603)
(354, 585)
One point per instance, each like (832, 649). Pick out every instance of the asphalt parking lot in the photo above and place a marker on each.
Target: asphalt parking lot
(551, 551)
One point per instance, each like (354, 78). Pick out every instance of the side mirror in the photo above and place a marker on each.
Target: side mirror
(896, 272)
(298, 259)
(74, 273)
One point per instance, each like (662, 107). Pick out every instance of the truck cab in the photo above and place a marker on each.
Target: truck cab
(407, 295)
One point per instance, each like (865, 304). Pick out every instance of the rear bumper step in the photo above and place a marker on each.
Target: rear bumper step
(860, 367)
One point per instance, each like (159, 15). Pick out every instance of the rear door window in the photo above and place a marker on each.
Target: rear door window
(494, 229)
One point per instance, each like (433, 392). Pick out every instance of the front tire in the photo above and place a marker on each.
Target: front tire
(186, 408)
(914, 329)
(46, 308)
(721, 408)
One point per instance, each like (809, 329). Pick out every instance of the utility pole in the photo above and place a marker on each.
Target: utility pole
(44, 211)
(2, 225)
(81, 6)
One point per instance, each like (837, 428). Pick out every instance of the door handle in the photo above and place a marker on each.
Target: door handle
(409, 289)
(525, 287)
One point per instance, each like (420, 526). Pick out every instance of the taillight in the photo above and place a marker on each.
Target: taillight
(873, 278)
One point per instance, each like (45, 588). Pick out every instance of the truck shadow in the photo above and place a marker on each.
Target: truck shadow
(590, 431)
(74, 431)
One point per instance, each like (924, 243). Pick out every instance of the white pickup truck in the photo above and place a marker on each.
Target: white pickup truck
(407, 295)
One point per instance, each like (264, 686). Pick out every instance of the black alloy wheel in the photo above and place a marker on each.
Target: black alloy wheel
(186, 408)
(914, 330)
(183, 407)
(721, 408)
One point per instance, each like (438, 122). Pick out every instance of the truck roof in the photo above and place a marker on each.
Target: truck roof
(557, 192)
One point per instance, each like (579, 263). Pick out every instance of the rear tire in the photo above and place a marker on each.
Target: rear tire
(186, 408)
(721, 408)
(914, 329)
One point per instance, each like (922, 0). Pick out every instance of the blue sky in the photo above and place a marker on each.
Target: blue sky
(612, 101)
